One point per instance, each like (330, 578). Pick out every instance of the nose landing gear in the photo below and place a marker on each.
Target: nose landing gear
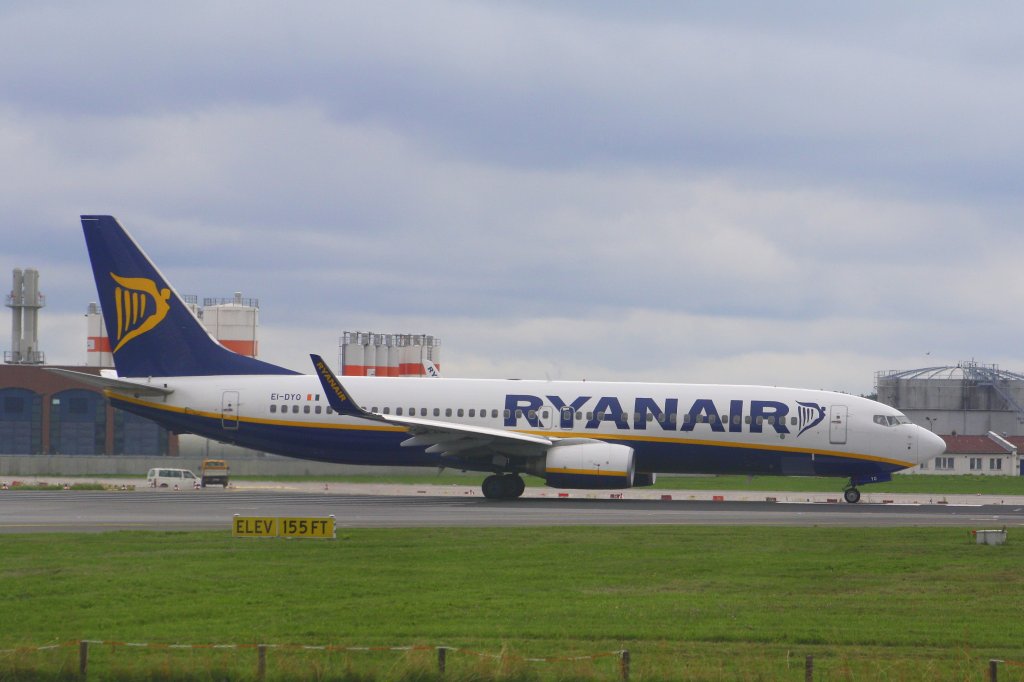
(850, 492)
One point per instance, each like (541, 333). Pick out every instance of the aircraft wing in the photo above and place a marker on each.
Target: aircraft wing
(438, 437)
(110, 383)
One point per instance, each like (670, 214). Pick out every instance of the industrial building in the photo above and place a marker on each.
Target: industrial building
(978, 410)
(388, 355)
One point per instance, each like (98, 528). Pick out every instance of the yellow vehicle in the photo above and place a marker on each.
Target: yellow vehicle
(213, 472)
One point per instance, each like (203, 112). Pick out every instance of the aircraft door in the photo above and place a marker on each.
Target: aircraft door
(229, 410)
(837, 425)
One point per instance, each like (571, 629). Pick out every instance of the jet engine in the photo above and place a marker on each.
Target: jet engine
(589, 465)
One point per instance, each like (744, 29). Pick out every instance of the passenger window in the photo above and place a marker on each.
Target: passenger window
(650, 416)
(398, 411)
(460, 411)
(330, 410)
(448, 412)
(472, 412)
(423, 412)
(305, 408)
(318, 409)
(387, 410)
(273, 409)
(532, 414)
(736, 419)
(508, 414)
(437, 411)
(295, 409)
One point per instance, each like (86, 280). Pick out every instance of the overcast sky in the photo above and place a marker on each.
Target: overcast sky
(731, 192)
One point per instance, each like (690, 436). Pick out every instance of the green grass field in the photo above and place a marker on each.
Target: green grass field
(688, 602)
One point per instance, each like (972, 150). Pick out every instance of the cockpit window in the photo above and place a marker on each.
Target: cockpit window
(890, 420)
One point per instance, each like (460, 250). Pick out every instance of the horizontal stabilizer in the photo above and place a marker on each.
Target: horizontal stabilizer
(108, 383)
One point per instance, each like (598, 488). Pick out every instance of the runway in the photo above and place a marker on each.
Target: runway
(99, 511)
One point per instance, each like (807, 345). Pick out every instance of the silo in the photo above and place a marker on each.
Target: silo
(394, 356)
(97, 345)
(433, 351)
(370, 354)
(352, 354)
(233, 322)
(383, 341)
(414, 356)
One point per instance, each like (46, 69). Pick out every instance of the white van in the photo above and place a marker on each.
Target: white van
(169, 478)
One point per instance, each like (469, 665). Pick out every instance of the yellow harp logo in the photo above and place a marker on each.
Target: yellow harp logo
(140, 307)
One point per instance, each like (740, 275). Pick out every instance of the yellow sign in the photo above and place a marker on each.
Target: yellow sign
(282, 527)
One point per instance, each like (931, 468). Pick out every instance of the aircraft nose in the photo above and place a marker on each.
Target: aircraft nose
(929, 446)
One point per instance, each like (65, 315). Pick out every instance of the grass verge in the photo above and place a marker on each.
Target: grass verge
(688, 602)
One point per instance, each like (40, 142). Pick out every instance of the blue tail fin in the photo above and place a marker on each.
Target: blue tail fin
(152, 332)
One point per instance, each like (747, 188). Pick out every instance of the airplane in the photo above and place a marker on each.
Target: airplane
(593, 435)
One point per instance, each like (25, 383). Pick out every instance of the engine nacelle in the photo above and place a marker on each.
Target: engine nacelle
(590, 465)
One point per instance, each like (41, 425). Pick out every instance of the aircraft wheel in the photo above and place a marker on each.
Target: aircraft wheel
(851, 495)
(493, 487)
(518, 486)
(503, 487)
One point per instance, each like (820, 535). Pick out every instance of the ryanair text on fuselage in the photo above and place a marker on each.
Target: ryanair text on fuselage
(742, 415)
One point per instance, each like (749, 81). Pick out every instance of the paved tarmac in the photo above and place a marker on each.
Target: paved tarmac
(368, 505)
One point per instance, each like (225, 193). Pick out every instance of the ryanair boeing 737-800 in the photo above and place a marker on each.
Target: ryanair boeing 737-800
(573, 434)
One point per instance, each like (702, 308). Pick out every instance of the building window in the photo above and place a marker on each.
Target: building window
(975, 463)
(995, 464)
(943, 463)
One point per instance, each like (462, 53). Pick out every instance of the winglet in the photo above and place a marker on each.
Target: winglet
(337, 396)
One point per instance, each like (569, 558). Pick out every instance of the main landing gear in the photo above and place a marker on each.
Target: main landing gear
(851, 494)
(503, 487)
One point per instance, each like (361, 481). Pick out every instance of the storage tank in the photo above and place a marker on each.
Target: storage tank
(233, 322)
(352, 354)
(97, 344)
